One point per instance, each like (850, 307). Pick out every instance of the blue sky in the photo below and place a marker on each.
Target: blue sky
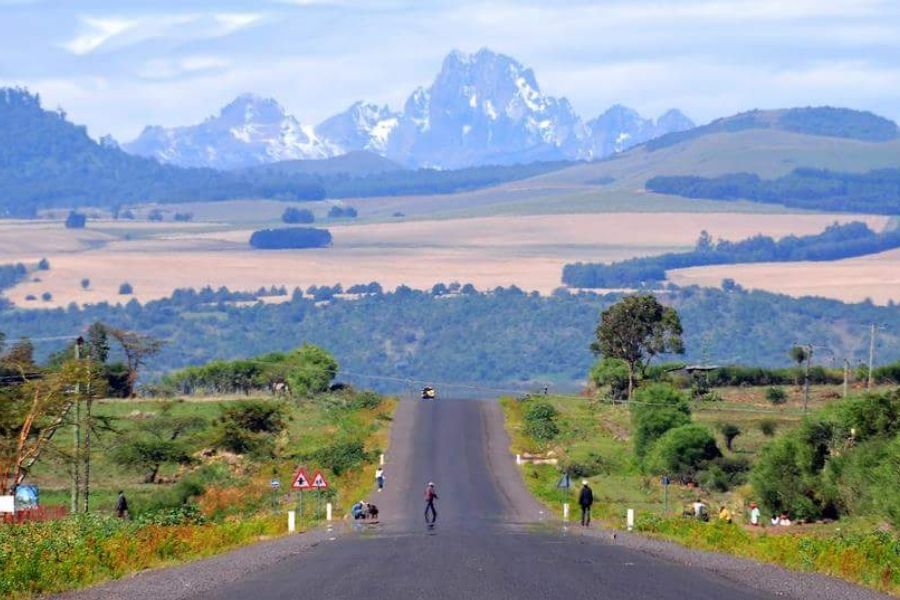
(116, 66)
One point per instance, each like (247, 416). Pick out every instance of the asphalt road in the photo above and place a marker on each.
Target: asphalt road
(489, 541)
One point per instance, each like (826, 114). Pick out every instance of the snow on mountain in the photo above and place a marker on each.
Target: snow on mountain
(482, 108)
(620, 128)
(249, 131)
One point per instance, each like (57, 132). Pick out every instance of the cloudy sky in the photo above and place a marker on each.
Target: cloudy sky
(117, 65)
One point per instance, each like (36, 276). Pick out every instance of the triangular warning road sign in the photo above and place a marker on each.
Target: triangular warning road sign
(319, 482)
(301, 480)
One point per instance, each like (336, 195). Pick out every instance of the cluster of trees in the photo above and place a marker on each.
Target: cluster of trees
(12, 274)
(504, 336)
(290, 237)
(835, 242)
(294, 215)
(76, 220)
(823, 120)
(843, 460)
(342, 212)
(877, 191)
(305, 371)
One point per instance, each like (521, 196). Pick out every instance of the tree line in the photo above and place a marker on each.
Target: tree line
(877, 191)
(837, 241)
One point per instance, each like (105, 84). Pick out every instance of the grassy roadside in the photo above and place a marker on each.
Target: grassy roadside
(233, 505)
(595, 438)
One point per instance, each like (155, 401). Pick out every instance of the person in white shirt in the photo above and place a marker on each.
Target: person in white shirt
(754, 514)
(379, 478)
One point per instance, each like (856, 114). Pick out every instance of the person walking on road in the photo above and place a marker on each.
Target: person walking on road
(430, 497)
(379, 478)
(122, 506)
(585, 500)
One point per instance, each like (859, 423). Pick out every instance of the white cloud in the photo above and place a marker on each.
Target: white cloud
(231, 22)
(100, 31)
(170, 68)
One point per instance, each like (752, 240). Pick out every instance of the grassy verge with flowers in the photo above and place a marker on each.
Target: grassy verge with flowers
(593, 440)
(215, 501)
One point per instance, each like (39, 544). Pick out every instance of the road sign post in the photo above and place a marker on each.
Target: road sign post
(665, 482)
(320, 483)
(301, 482)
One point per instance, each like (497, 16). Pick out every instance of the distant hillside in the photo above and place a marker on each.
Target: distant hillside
(355, 164)
(46, 161)
(820, 121)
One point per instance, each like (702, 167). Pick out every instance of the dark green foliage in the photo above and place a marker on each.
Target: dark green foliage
(724, 473)
(85, 283)
(588, 466)
(636, 329)
(125, 289)
(364, 288)
(874, 192)
(155, 215)
(682, 452)
(610, 375)
(729, 432)
(656, 409)
(76, 220)
(43, 265)
(540, 421)
(835, 242)
(297, 215)
(342, 212)
(46, 296)
(776, 395)
(12, 274)
(290, 237)
(768, 427)
(249, 427)
(341, 456)
(183, 217)
(311, 370)
(843, 459)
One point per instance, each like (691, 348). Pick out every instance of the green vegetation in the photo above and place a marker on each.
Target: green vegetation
(815, 189)
(290, 237)
(503, 337)
(836, 242)
(342, 212)
(196, 471)
(297, 215)
(76, 220)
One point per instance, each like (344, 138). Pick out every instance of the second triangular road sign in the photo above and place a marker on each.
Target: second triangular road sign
(319, 482)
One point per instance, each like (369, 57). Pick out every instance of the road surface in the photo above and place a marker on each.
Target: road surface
(488, 542)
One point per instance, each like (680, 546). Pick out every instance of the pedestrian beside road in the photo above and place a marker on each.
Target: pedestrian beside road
(585, 500)
(430, 497)
(379, 478)
(754, 514)
(122, 506)
(724, 514)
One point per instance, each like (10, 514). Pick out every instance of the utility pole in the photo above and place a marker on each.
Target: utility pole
(871, 356)
(846, 375)
(87, 441)
(809, 351)
(76, 436)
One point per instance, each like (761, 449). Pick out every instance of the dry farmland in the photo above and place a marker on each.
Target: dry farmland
(528, 251)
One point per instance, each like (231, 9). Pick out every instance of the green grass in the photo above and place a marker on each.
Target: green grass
(852, 548)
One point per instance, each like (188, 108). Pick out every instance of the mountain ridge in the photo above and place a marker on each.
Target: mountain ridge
(481, 108)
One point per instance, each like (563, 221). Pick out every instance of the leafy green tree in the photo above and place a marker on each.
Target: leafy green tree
(158, 441)
(636, 329)
(768, 427)
(729, 431)
(655, 410)
(126, 289)
(683, 452)
(85, 283)
(798, 354)
(248, 427)
(540, 421)
(311, 370)
(611, 376)
(98, 342)
(776, 395)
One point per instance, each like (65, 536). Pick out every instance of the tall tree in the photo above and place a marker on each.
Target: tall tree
(137, 348)
(98, 342)
(636, 329)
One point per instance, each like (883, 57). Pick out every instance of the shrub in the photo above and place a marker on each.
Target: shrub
(297, 215)
(776, 395)
(43, 265)
(683, 452)
(365, 399)
(290, 238)
(85, 283)
(337, 212)
(46, 296)
(588, 466)
(75, 220)
(247, 427)
(184, 217)
(155, 215)
(540, 421)
(655, 410)
(341, 456)
(311, 370)
(768, 427)
(125, 289)
(729, 432)
(611, 376)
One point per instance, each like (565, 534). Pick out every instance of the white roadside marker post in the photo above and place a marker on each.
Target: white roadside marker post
(381, 460)
(328, 511)
(630, 519)
(566, 512)
(518, 459)
(292, 521)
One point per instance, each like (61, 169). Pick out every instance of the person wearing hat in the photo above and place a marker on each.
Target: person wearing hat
(754, 514)
(430, 497)
(585, 500)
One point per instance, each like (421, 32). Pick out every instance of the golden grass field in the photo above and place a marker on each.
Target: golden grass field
(876, 277)
(528, 251)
